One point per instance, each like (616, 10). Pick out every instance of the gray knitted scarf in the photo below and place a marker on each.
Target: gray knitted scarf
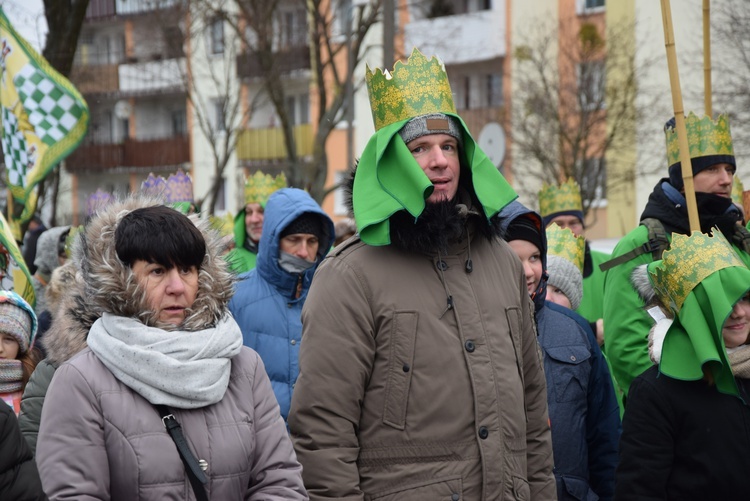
(739, 358)
(11, 375)
(185, 370)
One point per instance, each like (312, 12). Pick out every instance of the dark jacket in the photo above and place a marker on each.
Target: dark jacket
(19, 478)
(683, 440)
(266, 303)
(583, 409)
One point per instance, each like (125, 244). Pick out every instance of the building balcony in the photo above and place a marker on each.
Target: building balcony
(132, 154)
(460, 38)
(101, 79)
(102, 9)
(258, 145)
(152, 77)
(288, 60)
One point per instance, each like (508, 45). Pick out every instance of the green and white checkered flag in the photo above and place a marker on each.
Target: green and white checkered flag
(44, 120)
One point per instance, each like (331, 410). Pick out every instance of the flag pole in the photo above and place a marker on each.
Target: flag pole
(679, 116)
(707, 57)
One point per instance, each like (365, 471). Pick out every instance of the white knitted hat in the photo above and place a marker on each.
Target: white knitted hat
(567, 277)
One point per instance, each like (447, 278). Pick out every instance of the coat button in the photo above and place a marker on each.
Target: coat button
(455, 497)
(293, 341)
(483, 432)
(203, 464)
(573, 358)
(442, 265)
(406, 368)
(469, 345)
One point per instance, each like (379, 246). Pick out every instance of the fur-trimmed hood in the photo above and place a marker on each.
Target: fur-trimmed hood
(103, 283)
(662, 316)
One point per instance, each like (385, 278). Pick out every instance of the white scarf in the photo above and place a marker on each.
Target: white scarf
(185, 370)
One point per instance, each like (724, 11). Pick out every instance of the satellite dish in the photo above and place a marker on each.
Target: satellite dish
(492, 142)
(123, 109)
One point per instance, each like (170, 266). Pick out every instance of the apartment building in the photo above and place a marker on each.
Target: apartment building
(130, 67)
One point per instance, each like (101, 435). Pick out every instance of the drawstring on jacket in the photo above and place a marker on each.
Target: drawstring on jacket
(448, 295)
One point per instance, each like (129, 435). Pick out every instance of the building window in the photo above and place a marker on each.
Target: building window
(494, 90)
(221, 202)
(179, 123)
(343, 17)
(216, 33)
(590, 6)
(339, 197)
(304, 109)
(594, 180)
(591, 85)
(218, 115)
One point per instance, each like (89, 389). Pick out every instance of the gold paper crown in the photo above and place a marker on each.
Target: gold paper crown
(564, 243)
(705, 137)
(737, 191)
(418, 87)
(260, 186)
(566, 197)
(687, 262)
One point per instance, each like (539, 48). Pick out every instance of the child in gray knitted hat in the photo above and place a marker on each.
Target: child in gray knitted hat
(17, 356)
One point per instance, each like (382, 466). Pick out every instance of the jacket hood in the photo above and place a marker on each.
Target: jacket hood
(510, 213)
(283, 207)
(434, 229)
(240, 231)
(110, 286)
(46, 259)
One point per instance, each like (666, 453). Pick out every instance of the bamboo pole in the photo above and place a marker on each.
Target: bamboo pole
(679, 116)
(707, 58)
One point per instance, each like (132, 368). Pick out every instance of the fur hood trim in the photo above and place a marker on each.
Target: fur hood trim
(110, 286)
(642, 284)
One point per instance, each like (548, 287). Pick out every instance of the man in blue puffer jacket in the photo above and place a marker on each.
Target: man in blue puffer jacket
(268, 301)
(583, 411)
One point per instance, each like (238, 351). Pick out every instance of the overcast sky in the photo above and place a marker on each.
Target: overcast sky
(27, 17)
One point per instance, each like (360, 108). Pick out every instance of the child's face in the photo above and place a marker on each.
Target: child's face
(737, 327)
(531, 259)
(8, 347)
(555, 295)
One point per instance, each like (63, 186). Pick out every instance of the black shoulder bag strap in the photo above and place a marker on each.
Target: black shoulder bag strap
(656, 244)
(194, 472)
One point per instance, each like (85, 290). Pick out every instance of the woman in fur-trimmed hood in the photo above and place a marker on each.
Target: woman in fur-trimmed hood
(163, 336)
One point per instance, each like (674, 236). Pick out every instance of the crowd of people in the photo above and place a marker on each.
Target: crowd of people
(445, 343)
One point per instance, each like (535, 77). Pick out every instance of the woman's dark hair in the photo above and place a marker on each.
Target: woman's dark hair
(159, 235)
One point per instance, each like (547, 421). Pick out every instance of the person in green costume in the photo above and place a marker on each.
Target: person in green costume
(562, 205)
(713, 164)
(420, 372)
(685, 429)
(248, 223)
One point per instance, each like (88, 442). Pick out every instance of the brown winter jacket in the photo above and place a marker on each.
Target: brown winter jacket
(401, 397)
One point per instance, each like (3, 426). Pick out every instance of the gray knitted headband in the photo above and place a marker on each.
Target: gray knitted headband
(434, 123)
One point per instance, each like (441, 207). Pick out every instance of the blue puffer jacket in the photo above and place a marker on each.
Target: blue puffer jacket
(583, 410)
(264, 302)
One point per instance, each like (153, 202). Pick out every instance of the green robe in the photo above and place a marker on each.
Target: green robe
(592, 303)
(626, 322)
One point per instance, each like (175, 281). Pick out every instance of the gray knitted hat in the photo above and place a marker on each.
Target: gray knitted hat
(434, 123)
(565, 276)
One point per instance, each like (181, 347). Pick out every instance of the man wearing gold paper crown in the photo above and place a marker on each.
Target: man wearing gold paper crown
(713, 162)
(420, 374)
(685, 430)
(248, 223)
(562, 205)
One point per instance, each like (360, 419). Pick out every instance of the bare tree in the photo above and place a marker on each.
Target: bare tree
(256, 23)
(212, 88)
(569, 115)
(730, 22)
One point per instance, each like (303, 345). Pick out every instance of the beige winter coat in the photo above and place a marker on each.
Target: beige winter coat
(402, 398)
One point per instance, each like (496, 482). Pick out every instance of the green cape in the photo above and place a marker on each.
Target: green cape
(389, 179)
